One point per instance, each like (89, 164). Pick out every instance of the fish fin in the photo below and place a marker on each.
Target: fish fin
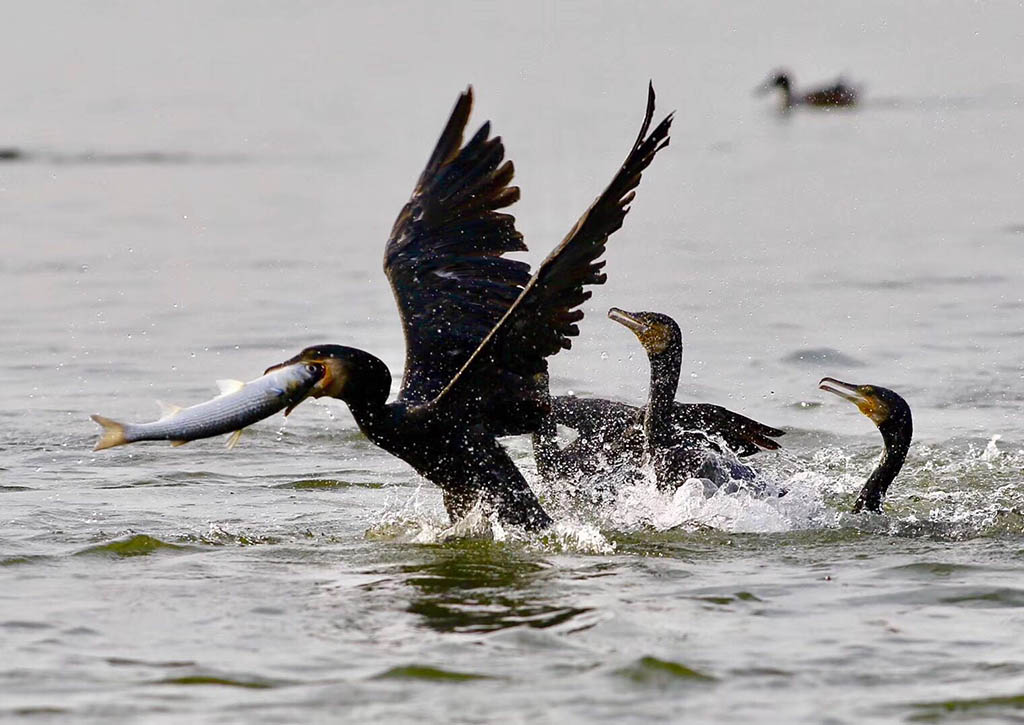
(167, 409)
(111, 435)
(233, 439)
(227, 387)
(178, 443)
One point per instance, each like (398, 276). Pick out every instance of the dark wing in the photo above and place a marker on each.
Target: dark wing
(605, 420)
(443, 258)
(745, 436)
(594, 417)
(497, 381)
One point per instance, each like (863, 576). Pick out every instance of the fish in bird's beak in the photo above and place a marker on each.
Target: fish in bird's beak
(335, 373)
(295, 403)
(313, 366)
(863, 396)
(629, 320)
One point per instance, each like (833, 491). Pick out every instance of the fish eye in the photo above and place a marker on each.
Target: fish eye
(314, 368)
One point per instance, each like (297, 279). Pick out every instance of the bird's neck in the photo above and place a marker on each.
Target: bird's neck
(367, 391)
(787, 94)
(664, 383)
(895, 453)
(368, 411)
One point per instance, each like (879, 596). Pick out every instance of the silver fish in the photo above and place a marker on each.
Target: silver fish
(238, 405)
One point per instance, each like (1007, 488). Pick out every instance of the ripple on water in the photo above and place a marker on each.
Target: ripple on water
(24, 559)
(130, 662)
(929, 570)
(328, 483)
(191, 680)
(973, 597)
(968, 708)
(818, 356)
(24, 625)
(137, 545)
(663, 673)
(431, 674)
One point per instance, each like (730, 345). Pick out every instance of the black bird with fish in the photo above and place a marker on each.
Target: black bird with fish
(891, 413)
(478, 326)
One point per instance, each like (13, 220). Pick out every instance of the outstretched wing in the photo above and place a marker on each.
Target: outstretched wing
(497, 381)
(443, 258)
(744, 436)
(603, 420)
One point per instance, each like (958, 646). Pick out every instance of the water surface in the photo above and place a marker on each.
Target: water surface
(203, 191)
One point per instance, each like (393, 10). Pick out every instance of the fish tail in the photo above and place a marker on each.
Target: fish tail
(111, 435)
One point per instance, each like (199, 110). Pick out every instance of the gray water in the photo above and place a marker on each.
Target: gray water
(207, 188)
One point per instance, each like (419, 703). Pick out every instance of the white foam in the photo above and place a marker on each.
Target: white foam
(943, 492)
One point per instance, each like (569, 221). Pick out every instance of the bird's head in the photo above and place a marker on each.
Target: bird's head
(886, 408)
(350, 374)
(658, 333)
(778, 79)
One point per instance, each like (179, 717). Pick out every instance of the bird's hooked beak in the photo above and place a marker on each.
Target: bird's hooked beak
(628, 319)
(330, 383)
(863, 396)
(652, 334)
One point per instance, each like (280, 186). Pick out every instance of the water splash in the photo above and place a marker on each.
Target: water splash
(948, 493)
(418, 521)
(621, 504)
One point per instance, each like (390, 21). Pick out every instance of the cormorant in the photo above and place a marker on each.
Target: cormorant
(839, 95)
(891, 414)
(478, 327)
(675, 437)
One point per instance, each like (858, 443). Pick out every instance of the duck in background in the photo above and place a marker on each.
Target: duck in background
(840, 94)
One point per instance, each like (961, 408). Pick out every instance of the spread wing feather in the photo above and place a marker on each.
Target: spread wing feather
(498, 379)
(602, 421)
(443, 257)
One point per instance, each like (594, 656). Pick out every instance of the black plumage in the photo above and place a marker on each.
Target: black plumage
(840, 94)
(478, 326)
(891, 413)
(677, 439)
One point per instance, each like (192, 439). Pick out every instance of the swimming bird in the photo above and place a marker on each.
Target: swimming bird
(891, 414)
(478, 327)
(676, 438)
(838, 95)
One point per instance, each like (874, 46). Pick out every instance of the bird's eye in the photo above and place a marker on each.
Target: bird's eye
(314, 368)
